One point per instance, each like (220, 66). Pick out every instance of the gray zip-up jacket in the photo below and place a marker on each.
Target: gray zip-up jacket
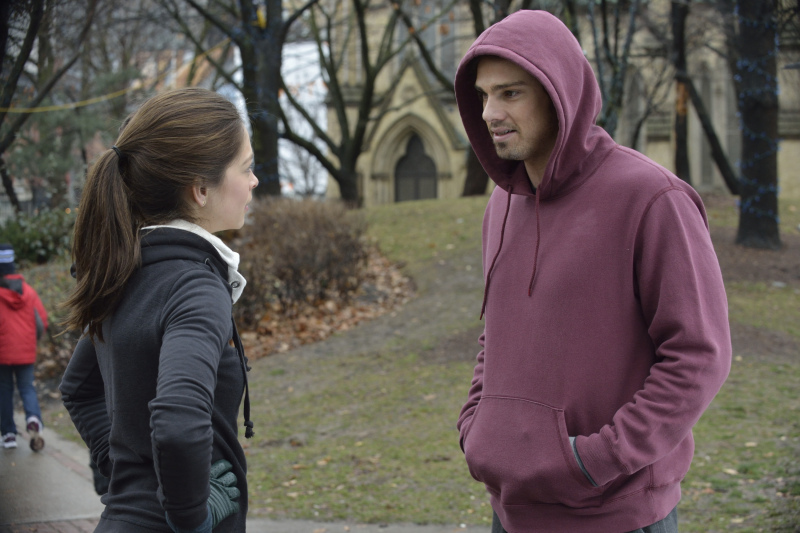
(157, 402)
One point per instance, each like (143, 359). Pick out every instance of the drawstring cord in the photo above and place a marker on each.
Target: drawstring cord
(536, 251)
(237, 341)
(500, 247)
(494, 259)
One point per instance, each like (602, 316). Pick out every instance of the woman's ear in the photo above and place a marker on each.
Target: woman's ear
(199, 195)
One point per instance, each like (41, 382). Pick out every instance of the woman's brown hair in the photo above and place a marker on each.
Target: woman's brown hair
(175, 140)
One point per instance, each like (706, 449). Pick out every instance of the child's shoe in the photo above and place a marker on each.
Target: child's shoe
(9, 440)
(35, 433)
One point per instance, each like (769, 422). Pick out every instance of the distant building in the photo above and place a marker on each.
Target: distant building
(417, 148)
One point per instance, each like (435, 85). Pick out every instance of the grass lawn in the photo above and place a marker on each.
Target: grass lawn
(362, 426)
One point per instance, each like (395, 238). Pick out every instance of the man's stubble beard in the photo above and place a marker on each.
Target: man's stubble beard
(509, 153)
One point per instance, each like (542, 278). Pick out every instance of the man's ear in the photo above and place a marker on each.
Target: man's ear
(199, 195)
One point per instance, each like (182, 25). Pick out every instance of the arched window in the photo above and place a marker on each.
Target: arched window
(415, 173)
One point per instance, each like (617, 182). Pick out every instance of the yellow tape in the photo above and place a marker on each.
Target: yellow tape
(97, 99)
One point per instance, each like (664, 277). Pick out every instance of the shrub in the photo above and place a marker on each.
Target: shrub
(53, 282)
(39, 238)
(299, 253)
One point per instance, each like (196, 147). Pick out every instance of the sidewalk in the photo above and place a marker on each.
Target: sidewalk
(52, 492)
(52, 485)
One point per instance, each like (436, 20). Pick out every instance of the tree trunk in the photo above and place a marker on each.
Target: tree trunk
(5, 18)
(261, 72)
(8, 185)
(717, 153)
(570, 18)
(348, 187)
(477, 180)
(679, 13)
(758, 107)
(265, 146)
(5, 15)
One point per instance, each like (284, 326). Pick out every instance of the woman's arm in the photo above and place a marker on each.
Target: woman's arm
(197, 327)
(83, 394)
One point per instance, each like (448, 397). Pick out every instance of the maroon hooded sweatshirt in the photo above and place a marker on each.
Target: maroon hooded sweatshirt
(605, 313)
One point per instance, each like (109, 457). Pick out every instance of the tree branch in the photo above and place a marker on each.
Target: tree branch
(426, 55)
(10, 86)
(213, 19)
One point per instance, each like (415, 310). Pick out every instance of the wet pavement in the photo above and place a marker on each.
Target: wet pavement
(51, 491)
(54, 485)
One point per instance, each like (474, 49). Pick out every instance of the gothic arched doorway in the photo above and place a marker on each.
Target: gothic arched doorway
(415, 173)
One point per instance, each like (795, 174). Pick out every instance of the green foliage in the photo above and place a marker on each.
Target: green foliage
(39, 238)
(54, 283)
(51, 146)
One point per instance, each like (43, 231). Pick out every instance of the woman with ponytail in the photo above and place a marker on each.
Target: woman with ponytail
(155, 383)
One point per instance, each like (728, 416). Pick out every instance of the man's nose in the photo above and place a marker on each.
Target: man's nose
(491, 111)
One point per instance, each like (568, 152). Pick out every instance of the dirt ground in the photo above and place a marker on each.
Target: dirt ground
(746, 264)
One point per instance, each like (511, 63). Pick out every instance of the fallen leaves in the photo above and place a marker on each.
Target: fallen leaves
(384, 288)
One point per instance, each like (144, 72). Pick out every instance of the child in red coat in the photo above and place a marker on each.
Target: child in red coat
(23, 320)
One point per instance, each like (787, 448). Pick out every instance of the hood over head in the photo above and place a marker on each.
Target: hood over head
(12, 290)
(543, 46)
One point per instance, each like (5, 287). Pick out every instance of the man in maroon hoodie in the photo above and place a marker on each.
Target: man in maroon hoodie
(606, 333)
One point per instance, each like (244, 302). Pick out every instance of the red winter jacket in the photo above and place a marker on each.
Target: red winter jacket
(23, 319)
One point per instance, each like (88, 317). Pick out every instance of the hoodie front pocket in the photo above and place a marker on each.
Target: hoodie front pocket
(521, 451)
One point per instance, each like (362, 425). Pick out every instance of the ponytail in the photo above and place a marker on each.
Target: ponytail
(106, 246)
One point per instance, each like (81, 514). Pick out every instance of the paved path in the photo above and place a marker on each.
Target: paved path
(52, 492)
(52, 485)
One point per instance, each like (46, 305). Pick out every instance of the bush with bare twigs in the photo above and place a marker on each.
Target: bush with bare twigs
(297, 254)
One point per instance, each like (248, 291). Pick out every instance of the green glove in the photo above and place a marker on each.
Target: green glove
(221, 502)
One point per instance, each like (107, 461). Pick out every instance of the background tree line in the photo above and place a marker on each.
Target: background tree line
(71, 69)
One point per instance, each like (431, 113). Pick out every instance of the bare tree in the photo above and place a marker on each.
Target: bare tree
(612, 51)
(258, 30)
(127, 55)
(301, 171)
(33, 62)
(674, 44)
(678, 14)
(342, 34)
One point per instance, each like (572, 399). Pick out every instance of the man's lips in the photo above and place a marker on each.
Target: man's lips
(502, 134)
